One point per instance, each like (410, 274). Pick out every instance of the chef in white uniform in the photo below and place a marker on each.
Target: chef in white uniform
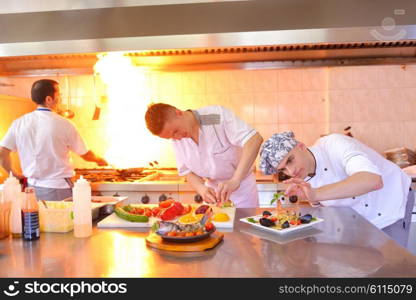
(214, 149)
(43, 140)
(341, 171)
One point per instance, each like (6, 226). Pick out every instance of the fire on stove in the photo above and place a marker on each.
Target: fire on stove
(116, 175)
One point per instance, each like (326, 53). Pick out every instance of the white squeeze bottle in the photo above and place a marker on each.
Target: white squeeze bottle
(12, 190)
(81, 195)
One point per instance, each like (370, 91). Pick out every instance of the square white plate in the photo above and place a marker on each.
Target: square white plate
(279, 231)
(114, 221)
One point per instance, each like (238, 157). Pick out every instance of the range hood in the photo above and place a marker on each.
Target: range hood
(200, 34)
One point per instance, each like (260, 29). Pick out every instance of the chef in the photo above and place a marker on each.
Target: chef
(43, 140)
(341, 171)
(214, 149)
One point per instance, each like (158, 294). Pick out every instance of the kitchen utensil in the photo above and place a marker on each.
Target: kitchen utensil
(44, 203)
(97, 109)
(67, 113)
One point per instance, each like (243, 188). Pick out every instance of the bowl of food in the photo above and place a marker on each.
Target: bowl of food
(183, 233)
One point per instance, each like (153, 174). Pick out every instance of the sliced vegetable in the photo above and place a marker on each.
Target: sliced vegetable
(121, 212)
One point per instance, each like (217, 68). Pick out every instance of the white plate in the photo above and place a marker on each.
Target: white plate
(279, 231)
(114, 221)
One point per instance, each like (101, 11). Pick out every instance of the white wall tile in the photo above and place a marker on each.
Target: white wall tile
(393, 105)
(391, 76)
(310, 132)
(365, 77)
(240, 81)
(217, 81)
(194, 82)
(266, 130)
(242, 105)
(290, 107)
(290, 80)
(314, 107)
(217, 99)
(366, 106)
(341, 106)
(410, 75)
(265, 108)
(340, 78)
(315, 79)
(265, 81)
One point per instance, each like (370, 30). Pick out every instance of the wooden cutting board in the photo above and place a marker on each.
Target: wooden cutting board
(155, 241)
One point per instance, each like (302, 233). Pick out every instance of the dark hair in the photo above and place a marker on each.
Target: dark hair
(41, 89)
(156, 116)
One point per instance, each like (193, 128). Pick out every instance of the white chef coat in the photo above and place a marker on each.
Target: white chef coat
(339, 156)
(43, 140)
(221, 138)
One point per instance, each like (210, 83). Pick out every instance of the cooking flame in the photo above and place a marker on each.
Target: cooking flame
(130, 143)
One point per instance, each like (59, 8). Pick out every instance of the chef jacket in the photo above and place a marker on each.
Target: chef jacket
(338, 157)
(221, 138)
(43, 140)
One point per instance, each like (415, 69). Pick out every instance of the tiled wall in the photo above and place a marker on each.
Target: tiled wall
(378, 102)
(10, 109)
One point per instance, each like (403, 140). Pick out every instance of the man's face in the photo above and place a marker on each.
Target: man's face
(176, 127)
(295, 164)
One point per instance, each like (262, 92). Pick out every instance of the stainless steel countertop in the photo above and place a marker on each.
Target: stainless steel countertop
(344, 245)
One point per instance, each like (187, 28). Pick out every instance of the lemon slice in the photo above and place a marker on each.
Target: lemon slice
(220, 217)
(190, 218)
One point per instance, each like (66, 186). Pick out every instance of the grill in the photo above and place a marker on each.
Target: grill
(118, 175)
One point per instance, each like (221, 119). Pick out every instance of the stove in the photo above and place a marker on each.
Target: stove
(117, 175)
(140, 185)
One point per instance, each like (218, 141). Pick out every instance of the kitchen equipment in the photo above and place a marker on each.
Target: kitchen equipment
(153, 240)
(4, 217)
(82, 208)
(112, 221)
(12, 194)
(67, 113)
(102, 205)
(97, 109)
(403, 157)
(56, 216)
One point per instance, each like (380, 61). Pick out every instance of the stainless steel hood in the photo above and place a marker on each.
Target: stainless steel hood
(199, 33)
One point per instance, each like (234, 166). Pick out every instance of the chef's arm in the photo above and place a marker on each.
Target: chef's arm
(355, 185)
(5, 162)
(90, 156)
(248, 156)
(197, 183)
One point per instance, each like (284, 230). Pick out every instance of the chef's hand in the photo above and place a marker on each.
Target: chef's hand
(208, 195)
(225, 188)
(301, 189)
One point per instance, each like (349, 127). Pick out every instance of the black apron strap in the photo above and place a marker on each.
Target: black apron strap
(70, 183)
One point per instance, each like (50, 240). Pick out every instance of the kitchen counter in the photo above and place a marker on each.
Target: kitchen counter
(344, 245)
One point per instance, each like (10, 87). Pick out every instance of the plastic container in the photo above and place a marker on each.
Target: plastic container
(4, 217)
(12, 194)
(57, 217)
(81, 195)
